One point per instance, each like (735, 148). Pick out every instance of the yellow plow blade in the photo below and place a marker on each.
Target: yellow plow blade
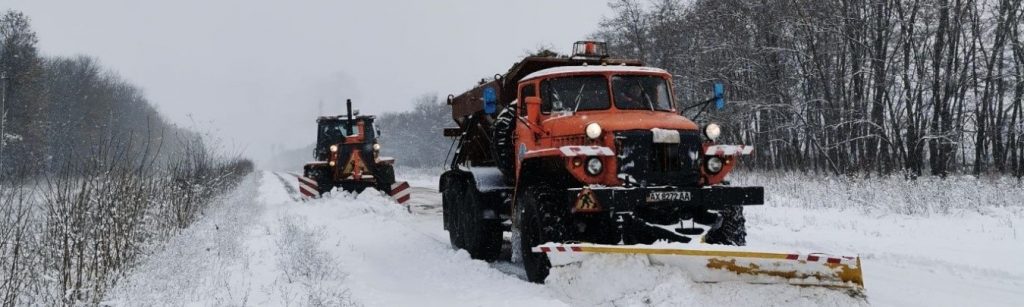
(716, 263)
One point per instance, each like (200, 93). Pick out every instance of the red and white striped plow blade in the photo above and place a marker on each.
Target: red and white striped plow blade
(717, 263)
(400, 192)
(308, 187)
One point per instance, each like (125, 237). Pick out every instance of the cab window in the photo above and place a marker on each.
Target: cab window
(338, 129)
(575, 93)
(641, 93)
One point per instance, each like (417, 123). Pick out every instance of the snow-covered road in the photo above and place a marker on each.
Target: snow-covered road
(264, 248)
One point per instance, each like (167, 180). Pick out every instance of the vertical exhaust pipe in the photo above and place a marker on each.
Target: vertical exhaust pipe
(348, 124)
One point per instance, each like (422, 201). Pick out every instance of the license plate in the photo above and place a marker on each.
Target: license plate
(668, 196)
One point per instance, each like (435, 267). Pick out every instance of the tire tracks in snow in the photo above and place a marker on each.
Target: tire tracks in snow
(292, 193)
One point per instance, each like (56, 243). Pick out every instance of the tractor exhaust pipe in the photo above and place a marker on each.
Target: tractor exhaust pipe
(348, 124)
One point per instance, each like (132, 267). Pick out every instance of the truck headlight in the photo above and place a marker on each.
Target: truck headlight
(334, 148)
(712, 131)
(713, 165)
(376, 146)
(594, 166)
(593, 131)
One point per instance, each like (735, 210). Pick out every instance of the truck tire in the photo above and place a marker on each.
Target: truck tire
(385, 178)
(540, 219)
(503, 142)
(451, 203)
(733, 230)
(480, 237)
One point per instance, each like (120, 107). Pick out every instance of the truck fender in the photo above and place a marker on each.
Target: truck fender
(486, 179)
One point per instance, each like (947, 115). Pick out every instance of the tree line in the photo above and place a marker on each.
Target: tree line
(56, 109)
(91, 177)
(906, 87)
(415, 137)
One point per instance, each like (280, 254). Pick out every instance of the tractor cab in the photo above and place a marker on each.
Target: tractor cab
(336, 131)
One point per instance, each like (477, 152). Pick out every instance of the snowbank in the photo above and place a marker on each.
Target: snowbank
(239, 253)
(392, 262)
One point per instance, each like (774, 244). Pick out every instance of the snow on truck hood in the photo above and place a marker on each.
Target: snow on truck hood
(593, 68)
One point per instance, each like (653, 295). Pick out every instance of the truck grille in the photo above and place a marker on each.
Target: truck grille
(650, 163)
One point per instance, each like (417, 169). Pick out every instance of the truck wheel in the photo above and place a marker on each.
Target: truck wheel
(451, 201)
(480, 237)
(733, 230)
(385, 178)
(541, 219)
(503, 143)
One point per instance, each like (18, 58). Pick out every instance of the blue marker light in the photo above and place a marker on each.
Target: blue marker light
(490, 100)
(719, 96)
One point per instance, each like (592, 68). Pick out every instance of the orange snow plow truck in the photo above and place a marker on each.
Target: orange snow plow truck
(585, 155)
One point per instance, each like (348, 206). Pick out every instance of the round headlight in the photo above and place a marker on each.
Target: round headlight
(593, 131)
(376, 146)
(334, 148)
(713, 165)
(331, 163)
(594, 166)
(712, 131)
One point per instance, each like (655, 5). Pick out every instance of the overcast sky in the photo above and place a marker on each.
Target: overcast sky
(253, 72)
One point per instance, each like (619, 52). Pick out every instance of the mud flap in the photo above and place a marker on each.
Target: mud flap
(718, 263)
(308, 188)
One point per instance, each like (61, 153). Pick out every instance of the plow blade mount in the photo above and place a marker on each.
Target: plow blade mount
(717, 263)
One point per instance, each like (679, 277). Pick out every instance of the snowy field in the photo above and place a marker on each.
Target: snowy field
(933, 243)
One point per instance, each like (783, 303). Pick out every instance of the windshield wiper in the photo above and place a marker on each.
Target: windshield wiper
(646, 96)
(579, 95)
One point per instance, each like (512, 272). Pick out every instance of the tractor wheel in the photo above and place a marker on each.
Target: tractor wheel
(503, 142)
(480, 237)
(540, 219)
(385, 178)
(733, 230)
(451, 205)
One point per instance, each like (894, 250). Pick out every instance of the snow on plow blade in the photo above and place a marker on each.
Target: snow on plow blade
(716, 263)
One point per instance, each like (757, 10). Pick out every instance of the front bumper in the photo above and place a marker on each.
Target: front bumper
(621, 199)
(368, 181)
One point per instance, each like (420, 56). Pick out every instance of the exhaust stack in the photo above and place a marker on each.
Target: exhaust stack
(348, 124)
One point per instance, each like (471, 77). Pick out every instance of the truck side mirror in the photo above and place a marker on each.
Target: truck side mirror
(533, 109)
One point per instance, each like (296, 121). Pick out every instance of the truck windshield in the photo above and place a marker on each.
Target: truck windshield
(577, 93)
(641, 93)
